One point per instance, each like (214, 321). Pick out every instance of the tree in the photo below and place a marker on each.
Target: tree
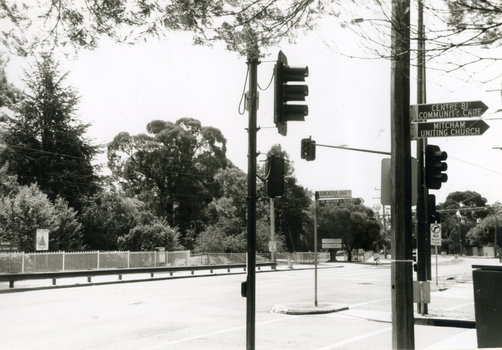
(483, 234)
(23, 209)
(357, 226)
(107, 216)
(240, 24)
(149, 236)
(173, 170)
(45, 142)
(461, 211)
(9, 94)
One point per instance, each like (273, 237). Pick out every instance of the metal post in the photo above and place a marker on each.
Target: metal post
(315, 252)
(272, 226)
(251, 224)
(403, 336)
(423, 243)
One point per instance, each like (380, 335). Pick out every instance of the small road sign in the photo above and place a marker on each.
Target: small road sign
(341, 202)
(448, 129)
(436, 234)
(447, 110)
(331, 243)
(333, 194)
(272, 246)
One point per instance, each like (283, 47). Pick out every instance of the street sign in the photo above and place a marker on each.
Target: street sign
(272, 246)
(331, 243)
(448, 129)
(333, 194)
(447, 110)
(436, 234)
(341, 202)
(9, 245)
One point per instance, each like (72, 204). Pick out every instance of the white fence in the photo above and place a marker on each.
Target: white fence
(74, 261)
(16, 262)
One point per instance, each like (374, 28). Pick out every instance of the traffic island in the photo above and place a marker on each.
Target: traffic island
(308, 308)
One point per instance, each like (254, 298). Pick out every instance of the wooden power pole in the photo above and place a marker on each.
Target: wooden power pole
(403, 336)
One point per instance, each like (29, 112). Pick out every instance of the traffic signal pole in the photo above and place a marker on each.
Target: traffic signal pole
(423, 232)
(251, 224)
(403, 335)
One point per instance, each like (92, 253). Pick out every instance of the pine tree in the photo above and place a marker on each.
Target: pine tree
(46, 143)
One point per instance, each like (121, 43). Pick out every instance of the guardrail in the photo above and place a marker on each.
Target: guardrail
(13, 277)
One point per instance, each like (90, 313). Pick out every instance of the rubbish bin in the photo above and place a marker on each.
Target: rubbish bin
(488, 305)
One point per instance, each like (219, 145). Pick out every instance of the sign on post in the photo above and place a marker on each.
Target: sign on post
(436, 234)
(447, 110)
(331, 243)
(341, 202)
(448, 129)
(272, 246)
(333, 194)
(42, 239)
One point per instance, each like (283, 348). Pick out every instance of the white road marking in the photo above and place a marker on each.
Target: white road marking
(354, 339)
(211, 334)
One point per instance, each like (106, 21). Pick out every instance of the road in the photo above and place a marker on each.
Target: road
(209, 313)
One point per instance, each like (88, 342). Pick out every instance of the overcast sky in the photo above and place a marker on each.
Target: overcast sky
(123, 88)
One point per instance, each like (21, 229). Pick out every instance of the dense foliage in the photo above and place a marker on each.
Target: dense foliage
(45, 142)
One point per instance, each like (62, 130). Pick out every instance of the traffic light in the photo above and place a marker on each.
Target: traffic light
(434, 167)
(275, 170)
(308, 149)
(284, 92)
(434, 216)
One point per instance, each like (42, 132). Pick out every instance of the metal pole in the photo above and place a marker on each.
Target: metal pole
(272, 226)
(315, 251)
(403, 336)
(251, 224)
(423, 242)
(437, 268)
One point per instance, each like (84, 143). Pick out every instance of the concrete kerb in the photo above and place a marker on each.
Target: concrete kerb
(308, 308)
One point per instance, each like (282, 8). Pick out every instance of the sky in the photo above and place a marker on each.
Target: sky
(123, 88)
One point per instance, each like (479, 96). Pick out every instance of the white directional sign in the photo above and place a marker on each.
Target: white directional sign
(436, 234)
(448, 129)
(332, 243)
(334, 194)
(341, 202)
(447, 110)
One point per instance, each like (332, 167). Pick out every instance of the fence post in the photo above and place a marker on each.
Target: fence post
(22, 262)
(97, 267)
(128, 257)
(63, 262)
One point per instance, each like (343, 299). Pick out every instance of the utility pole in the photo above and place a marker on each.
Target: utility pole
(250, 287)
(403, 336)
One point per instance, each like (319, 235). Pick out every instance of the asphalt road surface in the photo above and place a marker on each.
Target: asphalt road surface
(209, 313)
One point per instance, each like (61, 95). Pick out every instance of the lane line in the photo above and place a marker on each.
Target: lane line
(369, 302)
(354, 339)
(211, 334)
(459, 306)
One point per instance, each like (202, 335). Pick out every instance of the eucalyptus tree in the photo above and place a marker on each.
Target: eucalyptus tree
(172, 167)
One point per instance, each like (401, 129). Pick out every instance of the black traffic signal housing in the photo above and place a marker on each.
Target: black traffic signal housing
(284, 92)
(308, 149)
(275, 171)
(434, 216)
(434, 167)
